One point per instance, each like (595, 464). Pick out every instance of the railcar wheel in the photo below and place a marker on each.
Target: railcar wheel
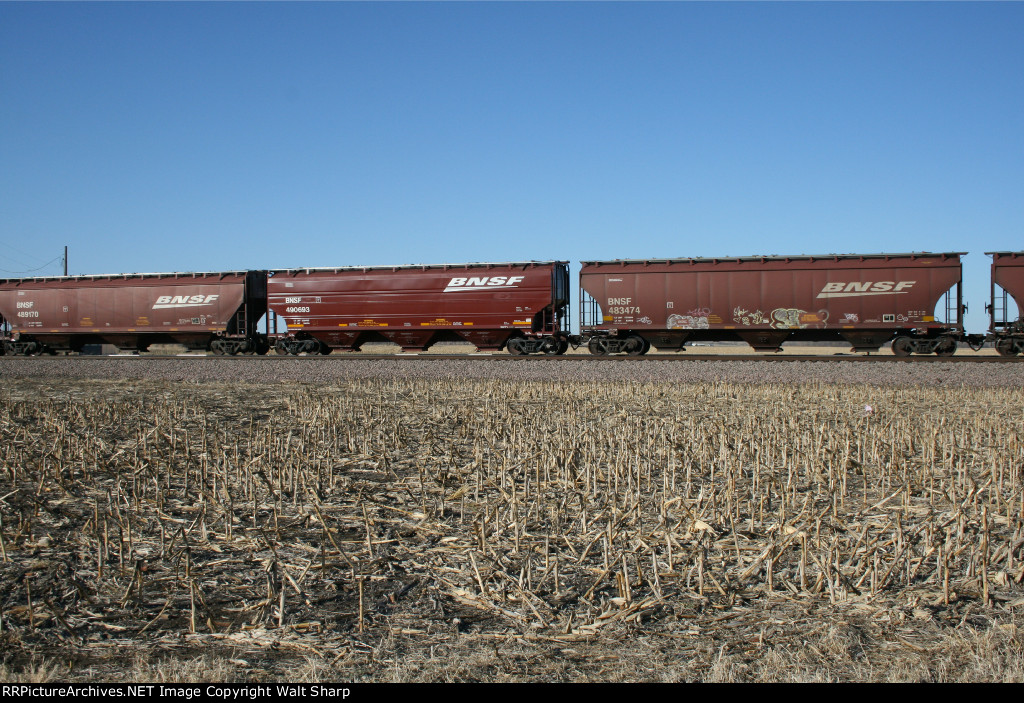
(597, 347)
(635, 345)
(946, 347)
(902, 346)
(515, 346)
(563, 346)
(549, 346)
(1005, 347)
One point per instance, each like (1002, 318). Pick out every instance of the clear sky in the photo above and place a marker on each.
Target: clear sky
(215, 136)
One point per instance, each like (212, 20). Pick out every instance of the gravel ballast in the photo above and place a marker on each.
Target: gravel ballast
(327, 370)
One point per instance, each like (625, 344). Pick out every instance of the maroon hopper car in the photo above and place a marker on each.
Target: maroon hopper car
(215, 311)
(866, 300)
(1007, 279)
(521, 306)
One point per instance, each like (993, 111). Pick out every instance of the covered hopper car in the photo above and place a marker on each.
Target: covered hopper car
(521, 306)
(866, 300)
(217, 312)
(1006, 332)
(911, 301)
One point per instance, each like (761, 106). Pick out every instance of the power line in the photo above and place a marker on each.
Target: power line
(59, 258)
(18, 251)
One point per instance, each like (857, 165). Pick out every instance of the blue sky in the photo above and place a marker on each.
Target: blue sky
(209, 136)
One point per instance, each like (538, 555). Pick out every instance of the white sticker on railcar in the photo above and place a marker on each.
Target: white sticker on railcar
(838, 289)
(483, 283)
(183, 301)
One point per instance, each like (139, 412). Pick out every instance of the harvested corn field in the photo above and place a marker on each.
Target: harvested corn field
(405, 529)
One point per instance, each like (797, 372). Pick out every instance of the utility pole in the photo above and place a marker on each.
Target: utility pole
(65, 259)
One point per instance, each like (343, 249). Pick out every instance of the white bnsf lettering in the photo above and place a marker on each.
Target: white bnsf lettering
(25, 303)
(621, 306)
(291, 301)
(483, 282)
(183, 301)
(839, 289)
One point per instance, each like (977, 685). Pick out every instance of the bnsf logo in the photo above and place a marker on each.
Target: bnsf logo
(848, 290)
(486, 282)
(183, 301)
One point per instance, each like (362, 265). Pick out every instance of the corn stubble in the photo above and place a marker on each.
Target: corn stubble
(406, 528)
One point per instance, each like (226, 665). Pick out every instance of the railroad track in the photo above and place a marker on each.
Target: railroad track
(343, 356)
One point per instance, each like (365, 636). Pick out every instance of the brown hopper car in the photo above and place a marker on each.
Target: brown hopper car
(866, 300)
(1007, 280)
(207, 311)
(913, 301)
(520, 306)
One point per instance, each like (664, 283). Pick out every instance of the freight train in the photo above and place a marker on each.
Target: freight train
(626, 306)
